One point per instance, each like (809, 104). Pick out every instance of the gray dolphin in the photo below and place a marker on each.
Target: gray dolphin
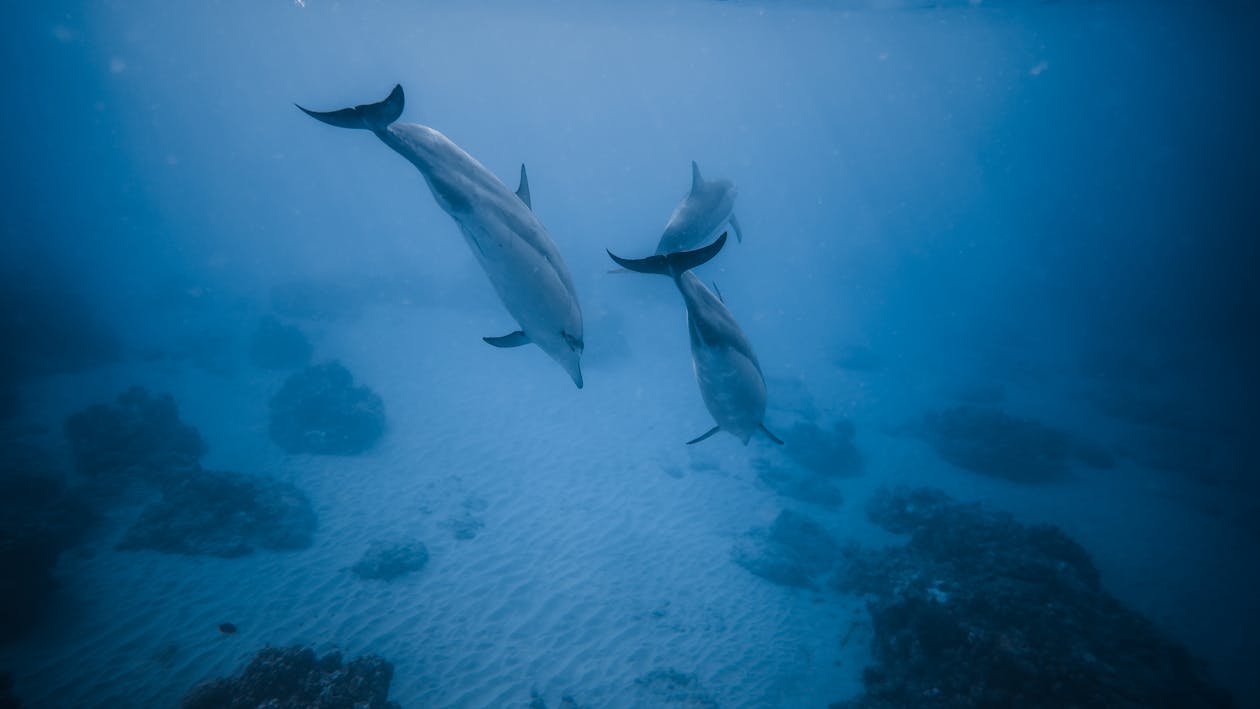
(707, 207)
(726, 367)
(500, 227)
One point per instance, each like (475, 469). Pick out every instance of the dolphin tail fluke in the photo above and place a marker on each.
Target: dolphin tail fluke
(657, 264)
(671, 264)
(369, 116)
(773, 437)
(704, 435)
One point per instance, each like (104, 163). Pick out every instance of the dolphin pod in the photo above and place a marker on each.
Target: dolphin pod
(533, 281)
(499, 225)
(730, 378)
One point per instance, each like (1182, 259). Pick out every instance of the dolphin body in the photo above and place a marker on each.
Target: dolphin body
(726, 367)
(508, 241)
(707, 207)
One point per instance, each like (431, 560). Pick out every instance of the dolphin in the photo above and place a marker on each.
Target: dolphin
(508, 241)
(726, 367)
(708, 206)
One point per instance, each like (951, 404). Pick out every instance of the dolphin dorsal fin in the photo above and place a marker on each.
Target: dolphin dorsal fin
(523, 190)
(696, 179)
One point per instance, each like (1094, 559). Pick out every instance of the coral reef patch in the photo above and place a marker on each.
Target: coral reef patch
(977, 610)
(830, 453)
(223, 514)
(320, 410)
(793, 551)
(295, 678)
(386, 561)
(798, 485)
(992, 442)
(139, 437)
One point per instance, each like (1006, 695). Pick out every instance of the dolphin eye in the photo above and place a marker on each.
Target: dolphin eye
(575, 343)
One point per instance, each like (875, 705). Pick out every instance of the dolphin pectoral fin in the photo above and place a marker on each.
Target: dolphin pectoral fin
(773, 437)
(739, 233)
(696, 180)
(704, 435)
(523, 190)
(369, 116)
(515, 339)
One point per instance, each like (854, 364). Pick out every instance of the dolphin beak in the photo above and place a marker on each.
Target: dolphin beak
(577, 375)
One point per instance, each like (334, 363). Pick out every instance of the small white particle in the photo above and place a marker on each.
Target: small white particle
(1038, 68)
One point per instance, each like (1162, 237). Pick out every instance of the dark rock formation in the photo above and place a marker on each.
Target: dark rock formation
(977, 610)
(793, 551)
(387, 561)
(992, 442)
(39, 518)
(320, 410)
(140, 437)
(223, 514)
(279, 346)
(295, 678)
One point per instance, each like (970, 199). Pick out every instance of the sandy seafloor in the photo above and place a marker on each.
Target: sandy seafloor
(606, 547)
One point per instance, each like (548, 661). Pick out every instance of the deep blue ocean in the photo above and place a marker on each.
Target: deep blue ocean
(989, 276)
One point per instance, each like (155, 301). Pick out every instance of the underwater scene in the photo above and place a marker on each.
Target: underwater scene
(674, 353)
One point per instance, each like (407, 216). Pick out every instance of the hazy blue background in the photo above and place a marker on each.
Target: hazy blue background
(1058, 197)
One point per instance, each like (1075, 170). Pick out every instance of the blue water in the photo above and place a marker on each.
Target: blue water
(957, 215)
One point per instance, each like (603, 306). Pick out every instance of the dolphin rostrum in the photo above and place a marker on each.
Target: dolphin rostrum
(708, 206)
(507, 239)
(726, 367)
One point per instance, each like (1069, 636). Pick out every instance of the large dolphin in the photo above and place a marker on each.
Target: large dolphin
(499, 226)
(707, 207)
(726, 367)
